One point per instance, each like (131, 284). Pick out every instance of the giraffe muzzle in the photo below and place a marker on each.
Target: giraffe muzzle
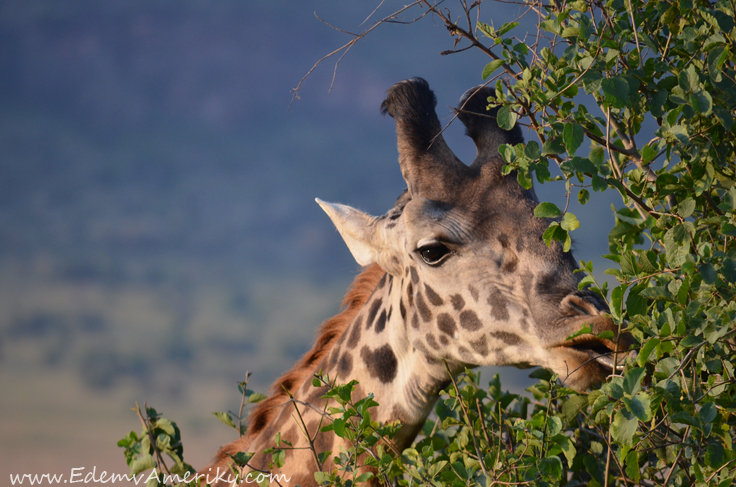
(609, 354)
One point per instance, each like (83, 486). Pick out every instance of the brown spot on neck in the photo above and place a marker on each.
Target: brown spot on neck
(414, 275)
(499, 304)
(432, 296)
(510, 264)
(375, 306)
(457, 302)
(423, 308)
(480, 346)
(473, 292)
(507, 338)
(446, 324)
(469, 320)
(381, 363)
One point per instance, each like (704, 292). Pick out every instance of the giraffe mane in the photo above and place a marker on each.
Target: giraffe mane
(329, 332)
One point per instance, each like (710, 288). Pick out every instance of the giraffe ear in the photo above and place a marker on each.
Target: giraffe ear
(355, 228)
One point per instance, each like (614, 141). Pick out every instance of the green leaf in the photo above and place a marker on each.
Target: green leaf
(573, 136)
(583, 165)
(551, 466)
(685, 418)
(688, 79)
(635, 303)
(729, 270)
(225, 418)
(583, 196)
(488, 30)
(708, 413)
(572, 406)
(686, 207)
(322, 477)
(568, 448)
(257, 397)
(339, 427)
(571, 32)
(552, 146)
(632, 380)
(715, 455)
(592, 81)
(141, 464)
(597, 156)
(716, 58)
(648, 154)
(278, 458)
(624, 427)
(242, 457)
(599, 184)
(701, 102)
(524, 179)
(549, 233)
(532, 150)
(632, 466)
(547, 210)
(540, 373)
(507, 27)
(364, 477)
(708, 272)
(648, 262)
(554, 425)
(617, 296)
(646, 351)
(492, 67)
(677, 245)
(724, 116)
(167, 426)
(639, 406)
(616, 91)
(628, 264)
(507, 153)
(506, 117)
(569, 222)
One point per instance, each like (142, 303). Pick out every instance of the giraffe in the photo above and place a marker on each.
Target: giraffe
(455, 273)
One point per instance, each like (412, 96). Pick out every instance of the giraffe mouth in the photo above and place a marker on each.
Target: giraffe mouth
(604, 355)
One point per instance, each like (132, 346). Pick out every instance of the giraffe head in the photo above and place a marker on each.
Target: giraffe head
(478, 284)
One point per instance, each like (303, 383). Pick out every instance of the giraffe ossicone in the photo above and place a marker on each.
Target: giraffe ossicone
(457, 274)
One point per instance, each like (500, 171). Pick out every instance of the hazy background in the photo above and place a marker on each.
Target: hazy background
(158, 231)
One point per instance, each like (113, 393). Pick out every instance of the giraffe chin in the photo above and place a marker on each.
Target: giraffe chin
(588, 364)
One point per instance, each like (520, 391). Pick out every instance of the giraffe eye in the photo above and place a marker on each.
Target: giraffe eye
(433, 254)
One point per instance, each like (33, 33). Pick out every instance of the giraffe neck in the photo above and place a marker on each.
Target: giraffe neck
(368, 342)
(376, 350)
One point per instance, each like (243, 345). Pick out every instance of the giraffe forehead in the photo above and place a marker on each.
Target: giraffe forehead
(502, 216)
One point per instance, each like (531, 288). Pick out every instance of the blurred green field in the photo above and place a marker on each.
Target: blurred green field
(76, 355)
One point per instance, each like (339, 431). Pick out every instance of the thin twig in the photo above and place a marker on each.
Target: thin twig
(349, 45)
(152, 439)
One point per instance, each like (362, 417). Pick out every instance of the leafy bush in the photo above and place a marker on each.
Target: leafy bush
(605, 75)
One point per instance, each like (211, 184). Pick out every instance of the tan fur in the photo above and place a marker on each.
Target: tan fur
(327, 335)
